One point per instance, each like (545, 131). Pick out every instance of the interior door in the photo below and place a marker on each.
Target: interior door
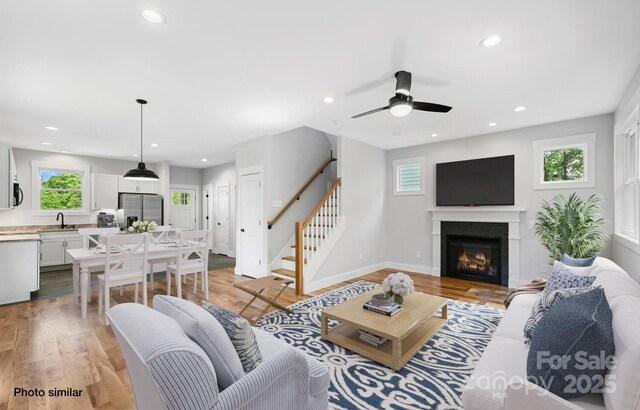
(183, 208)
(207, 212)
(222, 219)
(251, 224)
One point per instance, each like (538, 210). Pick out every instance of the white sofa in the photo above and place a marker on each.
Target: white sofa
(499, 379)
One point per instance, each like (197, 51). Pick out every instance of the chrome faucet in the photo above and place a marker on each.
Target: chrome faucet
(62, 225)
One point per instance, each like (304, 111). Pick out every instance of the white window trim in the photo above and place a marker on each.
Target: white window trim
(621, 160)
(36, 166)
(587, 141)
(409, 161)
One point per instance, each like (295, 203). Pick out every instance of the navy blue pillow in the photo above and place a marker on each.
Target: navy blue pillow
(577, 262)
(568, 344)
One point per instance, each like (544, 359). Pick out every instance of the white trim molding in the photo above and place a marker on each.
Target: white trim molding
(497, 214)
(587, 142)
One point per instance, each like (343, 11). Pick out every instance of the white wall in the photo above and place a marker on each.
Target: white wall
(410, 226)
(364, 186)
(625, 252)
(221, 175)
(186, 176)
(22, 215)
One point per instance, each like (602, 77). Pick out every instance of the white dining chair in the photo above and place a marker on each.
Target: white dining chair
(125, 264)
(91, 239)
(160, 234)
(191, 243)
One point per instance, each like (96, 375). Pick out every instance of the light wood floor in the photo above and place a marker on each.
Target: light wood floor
(45, 344)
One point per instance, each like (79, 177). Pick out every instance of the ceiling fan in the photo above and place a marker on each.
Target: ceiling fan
(402, 103)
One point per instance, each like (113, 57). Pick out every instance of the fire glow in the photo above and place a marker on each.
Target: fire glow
(478, 262)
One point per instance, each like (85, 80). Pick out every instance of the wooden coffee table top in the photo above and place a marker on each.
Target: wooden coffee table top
(417, 307)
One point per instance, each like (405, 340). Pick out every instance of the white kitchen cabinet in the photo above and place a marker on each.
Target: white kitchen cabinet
(137, 187)
(53, 250)
(105, 191)
(20, 274)
(7, 177)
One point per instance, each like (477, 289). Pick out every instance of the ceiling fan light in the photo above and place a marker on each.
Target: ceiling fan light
(400, 110)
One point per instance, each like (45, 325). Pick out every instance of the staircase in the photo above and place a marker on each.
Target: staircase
(313, 240)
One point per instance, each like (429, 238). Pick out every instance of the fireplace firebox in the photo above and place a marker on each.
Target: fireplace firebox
(475, 251)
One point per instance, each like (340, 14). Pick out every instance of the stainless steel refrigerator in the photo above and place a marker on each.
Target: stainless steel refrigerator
(142, 207)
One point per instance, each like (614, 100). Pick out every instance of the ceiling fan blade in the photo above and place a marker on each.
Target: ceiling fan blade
(369, 86)
(431, 107)
(403, 82)
(371, 112)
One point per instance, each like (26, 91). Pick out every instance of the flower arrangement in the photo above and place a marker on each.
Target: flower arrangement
(142, 227)
(398, 286)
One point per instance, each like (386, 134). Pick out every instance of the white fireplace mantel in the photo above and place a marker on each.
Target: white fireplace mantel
(495, 214)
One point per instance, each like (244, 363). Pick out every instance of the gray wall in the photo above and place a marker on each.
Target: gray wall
(410, 227)
(186, 176)
(626, 253)
(289, 159)
(219, 175)
(364, 186)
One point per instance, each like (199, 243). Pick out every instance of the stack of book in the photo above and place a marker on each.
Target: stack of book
(389, 310)
(372, 339)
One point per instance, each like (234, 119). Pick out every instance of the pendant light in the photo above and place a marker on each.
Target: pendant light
(141, 173)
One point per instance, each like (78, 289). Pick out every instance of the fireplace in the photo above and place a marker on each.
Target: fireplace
(475, 251)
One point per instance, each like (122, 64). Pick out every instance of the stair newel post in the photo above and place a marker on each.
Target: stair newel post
(339, 198)
(299, 256)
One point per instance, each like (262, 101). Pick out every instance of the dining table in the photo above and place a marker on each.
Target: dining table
(84, 258)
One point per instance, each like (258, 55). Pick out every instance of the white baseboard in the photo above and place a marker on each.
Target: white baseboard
(410, 268)
(332, 280)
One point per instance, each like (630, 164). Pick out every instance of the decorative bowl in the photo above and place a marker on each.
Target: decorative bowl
(381, 299)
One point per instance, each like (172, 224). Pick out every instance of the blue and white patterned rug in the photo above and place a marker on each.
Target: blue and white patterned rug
(433, 379)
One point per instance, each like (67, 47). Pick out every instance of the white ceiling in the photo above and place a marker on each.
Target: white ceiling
(219, 73)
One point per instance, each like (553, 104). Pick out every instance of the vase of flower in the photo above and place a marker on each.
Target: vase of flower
(398, 286)
(142, 227)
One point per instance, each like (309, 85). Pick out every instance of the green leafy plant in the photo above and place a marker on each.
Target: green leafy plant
(572, 225)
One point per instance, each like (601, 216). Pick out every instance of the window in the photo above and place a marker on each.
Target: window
(628, 179)
(181, 198)
(58, 189)
(566, 162)
(409, 176)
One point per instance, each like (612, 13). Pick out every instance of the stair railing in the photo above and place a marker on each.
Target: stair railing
(314, 231)
(300, 192)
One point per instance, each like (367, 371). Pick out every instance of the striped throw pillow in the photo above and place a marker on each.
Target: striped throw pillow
(240, 333)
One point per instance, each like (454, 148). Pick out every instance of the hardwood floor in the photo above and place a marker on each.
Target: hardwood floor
(45, 344)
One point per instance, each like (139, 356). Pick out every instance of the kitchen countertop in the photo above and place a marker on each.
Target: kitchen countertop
(20, 237)
(34, 229)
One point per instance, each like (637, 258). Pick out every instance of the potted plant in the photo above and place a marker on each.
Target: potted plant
(572, 225)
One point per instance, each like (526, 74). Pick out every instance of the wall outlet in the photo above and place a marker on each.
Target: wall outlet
(418, 254)
(361, 257)
(276, 203)
(532, 224)
(368, 255)
(543, 268)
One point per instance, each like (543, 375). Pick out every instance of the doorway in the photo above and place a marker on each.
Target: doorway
(184, 207)
(222, 226)
(251, 233)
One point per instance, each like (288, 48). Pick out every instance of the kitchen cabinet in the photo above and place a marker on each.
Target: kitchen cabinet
(104, 191)
(7, 177)
(138, 187)
(20, 273)
(53, 250)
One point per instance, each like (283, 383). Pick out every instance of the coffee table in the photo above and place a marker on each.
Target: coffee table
(407, 331)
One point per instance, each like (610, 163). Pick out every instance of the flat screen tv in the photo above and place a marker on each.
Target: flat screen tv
(486, 181)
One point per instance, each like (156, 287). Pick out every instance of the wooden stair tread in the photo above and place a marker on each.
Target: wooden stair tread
(285, 272)
(292, 259)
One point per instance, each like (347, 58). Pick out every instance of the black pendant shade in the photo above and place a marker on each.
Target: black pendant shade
(141, 172)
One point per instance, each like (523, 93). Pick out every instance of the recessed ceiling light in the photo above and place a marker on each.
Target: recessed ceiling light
(204, 160)
(328, 100)
(492, 124)
(396, 134)
(136, 155)
(52, 128)
(434, 135)
(64, 152)
(154, 16)
(520, 108)
(46, 143)
(154, 145)
(490, 41)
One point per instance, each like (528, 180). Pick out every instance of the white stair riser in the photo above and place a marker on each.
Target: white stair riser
(290, 265)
